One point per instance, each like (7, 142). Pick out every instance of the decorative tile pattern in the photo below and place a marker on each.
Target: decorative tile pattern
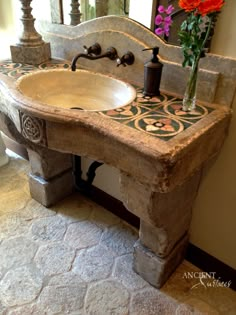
(160, 117)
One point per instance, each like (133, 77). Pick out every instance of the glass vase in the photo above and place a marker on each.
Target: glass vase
(189, 100)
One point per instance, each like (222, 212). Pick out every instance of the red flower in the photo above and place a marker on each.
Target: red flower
(189, 5)
(210, 6)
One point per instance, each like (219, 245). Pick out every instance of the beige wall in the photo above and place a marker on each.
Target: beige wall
(213, 226)
(224, 40)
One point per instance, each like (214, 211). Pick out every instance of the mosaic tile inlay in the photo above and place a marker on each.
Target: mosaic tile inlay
(161, 116)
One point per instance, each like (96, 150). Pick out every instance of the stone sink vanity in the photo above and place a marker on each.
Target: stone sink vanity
(161, 152)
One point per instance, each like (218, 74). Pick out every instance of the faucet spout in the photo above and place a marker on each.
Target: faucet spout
(111, 53)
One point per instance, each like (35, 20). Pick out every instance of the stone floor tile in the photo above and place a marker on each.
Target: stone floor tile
(107, 298)
(50, 228)
(2, 309)
(152, 302)
(63, 299)
(195, 307)
(12, 198)
(83, 234)
(65, 279)
(12, 201)
(124, 273)
(93, 263)
(29, 309)
(181, 288)
(12, 225)
(20, 285)
(15, 252)
(78, 312)
(34, 210)
(120, 239)
(74, 208)
(54, 258)
(103, 217)
(92, 228)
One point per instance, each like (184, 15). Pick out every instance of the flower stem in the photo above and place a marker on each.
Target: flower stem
(190, 93)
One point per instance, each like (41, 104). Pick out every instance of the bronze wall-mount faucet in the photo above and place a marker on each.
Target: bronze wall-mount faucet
(94, 53)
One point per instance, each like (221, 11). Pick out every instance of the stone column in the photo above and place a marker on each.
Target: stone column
(31, 48)
(165, 220)
(3, 157)
(51, 176)
(75, 12)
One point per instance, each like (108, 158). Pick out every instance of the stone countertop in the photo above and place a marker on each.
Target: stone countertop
(151, 134)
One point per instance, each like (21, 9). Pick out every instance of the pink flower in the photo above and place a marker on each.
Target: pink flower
(163, 20)
(167, 20)
(159, 31)
(161, 9)
(167, 30)
(170, 9)
(158, 19)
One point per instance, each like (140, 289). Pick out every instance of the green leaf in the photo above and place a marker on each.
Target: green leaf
(183, 26)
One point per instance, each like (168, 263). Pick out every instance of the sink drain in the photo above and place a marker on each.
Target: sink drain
(79, 108)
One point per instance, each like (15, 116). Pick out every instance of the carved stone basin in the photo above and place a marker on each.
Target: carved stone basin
(82, 89)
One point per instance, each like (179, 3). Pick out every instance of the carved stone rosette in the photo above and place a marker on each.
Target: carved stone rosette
(33, 129)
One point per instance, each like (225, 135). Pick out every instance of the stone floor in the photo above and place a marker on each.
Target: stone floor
(76, 258)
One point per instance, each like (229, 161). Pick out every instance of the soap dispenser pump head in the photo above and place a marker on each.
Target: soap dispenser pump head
(155, 51)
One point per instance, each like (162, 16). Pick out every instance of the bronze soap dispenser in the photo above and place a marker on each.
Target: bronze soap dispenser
(152, 74)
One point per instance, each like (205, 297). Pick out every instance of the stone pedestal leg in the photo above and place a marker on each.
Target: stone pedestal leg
(51, 176)
(165, 220)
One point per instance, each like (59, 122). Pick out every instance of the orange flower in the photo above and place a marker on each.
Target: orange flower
(210, 6)
(189, 5)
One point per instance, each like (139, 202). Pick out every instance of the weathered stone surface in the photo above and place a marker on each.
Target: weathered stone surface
(94, 263)
(65, 279)
(1, 272)
(34, 210)
(15, 252)
(120, 239)
(12, 198)
(54, 258)
(186, 309)
(29, 309)
(107, 297)
(152, 302)
(83, 234)
(48, 229)
(20, 285)
(48, 163)
(51, 191)
(156, 208)
(12, 225)
(154, 269)
(124, 273)
(31, 55)
(122, 30)
(103, 218)
(74, 208)
(63, 299)
(178, 287)
(2, 309)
